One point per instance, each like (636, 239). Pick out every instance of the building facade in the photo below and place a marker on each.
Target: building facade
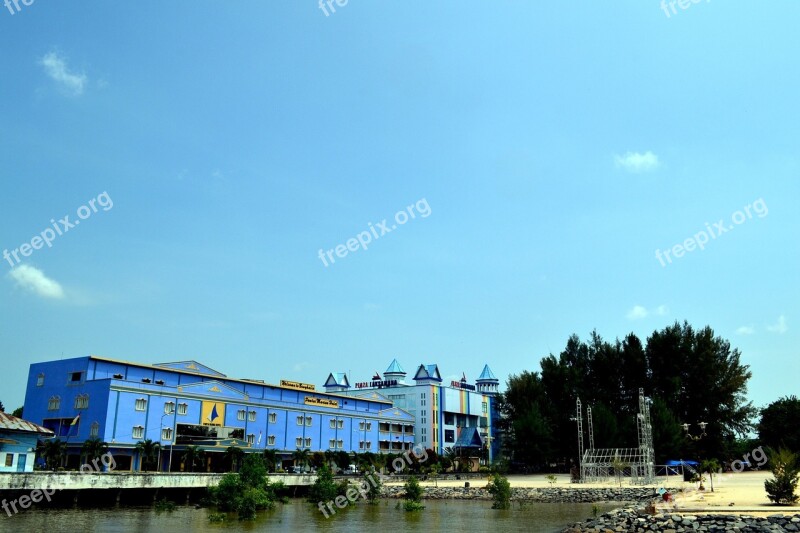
(456, 416)
(18, 440)
(186, 404)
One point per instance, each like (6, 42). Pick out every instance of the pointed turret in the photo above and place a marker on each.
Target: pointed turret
(395, 372)
(487, 383)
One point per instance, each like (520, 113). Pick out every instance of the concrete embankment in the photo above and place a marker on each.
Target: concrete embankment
(629, 520)
(540, 495)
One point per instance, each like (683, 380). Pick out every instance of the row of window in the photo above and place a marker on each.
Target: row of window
(81, 402)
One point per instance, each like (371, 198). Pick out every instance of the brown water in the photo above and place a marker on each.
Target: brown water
(452, 515)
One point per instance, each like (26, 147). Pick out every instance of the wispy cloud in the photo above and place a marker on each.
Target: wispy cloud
(637, 162)
(55, 66)
(745, 330)
(780, 326)
(639, 312)
(32, 279)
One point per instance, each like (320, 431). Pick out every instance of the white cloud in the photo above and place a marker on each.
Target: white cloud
(636, 162)
(56, 67)
(637, 313)
(780, 327)
(745, 330)
(34, 280)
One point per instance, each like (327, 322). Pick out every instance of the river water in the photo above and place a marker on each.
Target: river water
(439, 515)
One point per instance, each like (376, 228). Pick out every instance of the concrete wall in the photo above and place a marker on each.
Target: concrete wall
(127, 480)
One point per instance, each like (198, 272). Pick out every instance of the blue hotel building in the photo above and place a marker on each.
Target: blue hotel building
(186, 403)
(457, 416)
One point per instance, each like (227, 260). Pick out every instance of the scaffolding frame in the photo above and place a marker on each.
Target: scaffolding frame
(598, 465)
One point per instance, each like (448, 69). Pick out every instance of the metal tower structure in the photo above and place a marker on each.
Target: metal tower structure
(579, 418)
(601, 464)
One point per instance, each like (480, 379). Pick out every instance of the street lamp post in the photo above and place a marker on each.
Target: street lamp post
(695, 437)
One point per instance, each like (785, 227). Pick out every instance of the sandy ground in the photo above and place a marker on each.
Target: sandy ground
(734, 493)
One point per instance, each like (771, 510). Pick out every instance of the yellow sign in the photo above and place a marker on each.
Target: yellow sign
(307, 387)
(322, 402)
(213, 414)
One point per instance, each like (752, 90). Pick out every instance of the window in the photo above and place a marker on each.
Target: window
(298, 441)
(146, 380)
(361, 445)
(251, 439)
(485, 407)
(333, 423)
(76, 377)
(169, 408)
(166, 434)
(308, 442)
(183, 408)
(308, 421)
(340, 443)
(369, 426)
(361, 426)
(159, 382)
(369, 444)
(82, 401)
(251, 416)
(94, 430)
(138, 432)
(40, 380)
(54, 404)
(299, 420)
(141, 404)
(273, 417)
(449, 435)
(117, 376)
(341, 423)
(9, 459)
(240, 414)
(448, 419)
(271, 440)
(332, 443)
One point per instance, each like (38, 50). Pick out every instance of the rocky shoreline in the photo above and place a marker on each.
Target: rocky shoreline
(629, 520)
(539, 495)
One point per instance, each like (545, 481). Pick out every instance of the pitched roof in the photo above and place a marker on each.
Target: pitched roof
(12, 423)
(337, 379)
(469, 438)
(487, 374)
(395, 368)
(428, 372)
(192, 366)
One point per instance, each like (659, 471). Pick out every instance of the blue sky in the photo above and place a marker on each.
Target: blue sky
(557, 147)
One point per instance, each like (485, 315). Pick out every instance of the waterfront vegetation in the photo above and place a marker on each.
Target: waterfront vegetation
(500, 489)
(782, 488)
(413, 495)
(247, 491)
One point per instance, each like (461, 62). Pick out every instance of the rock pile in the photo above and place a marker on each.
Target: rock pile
(625, 520)
(541, 495)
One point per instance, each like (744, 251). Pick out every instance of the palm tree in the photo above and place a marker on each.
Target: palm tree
(53, 452)
(234, 454)
(330, 457)
(148, 451)
(192, 457)
(301, 457)
(270, 457)
(452, 454)
(93, 449)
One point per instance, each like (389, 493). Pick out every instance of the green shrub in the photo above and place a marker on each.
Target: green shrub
(217, 517)
(786, 473)
(500, 489)
(164, 505)
(324, 489)
(413, 495)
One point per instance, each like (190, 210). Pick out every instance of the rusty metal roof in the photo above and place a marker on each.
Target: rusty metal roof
(12, 423)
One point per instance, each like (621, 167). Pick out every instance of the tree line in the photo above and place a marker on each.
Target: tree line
(689, 375)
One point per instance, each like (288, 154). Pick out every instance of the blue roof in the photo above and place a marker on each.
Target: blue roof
(337, 379)
(469, 438)
(395, 368)
(428, 372)
(487, 374)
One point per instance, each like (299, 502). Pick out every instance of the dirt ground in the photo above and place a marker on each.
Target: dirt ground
(734, 493)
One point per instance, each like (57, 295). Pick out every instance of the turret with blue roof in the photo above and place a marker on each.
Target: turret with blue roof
(395, 371)
(487, 383)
